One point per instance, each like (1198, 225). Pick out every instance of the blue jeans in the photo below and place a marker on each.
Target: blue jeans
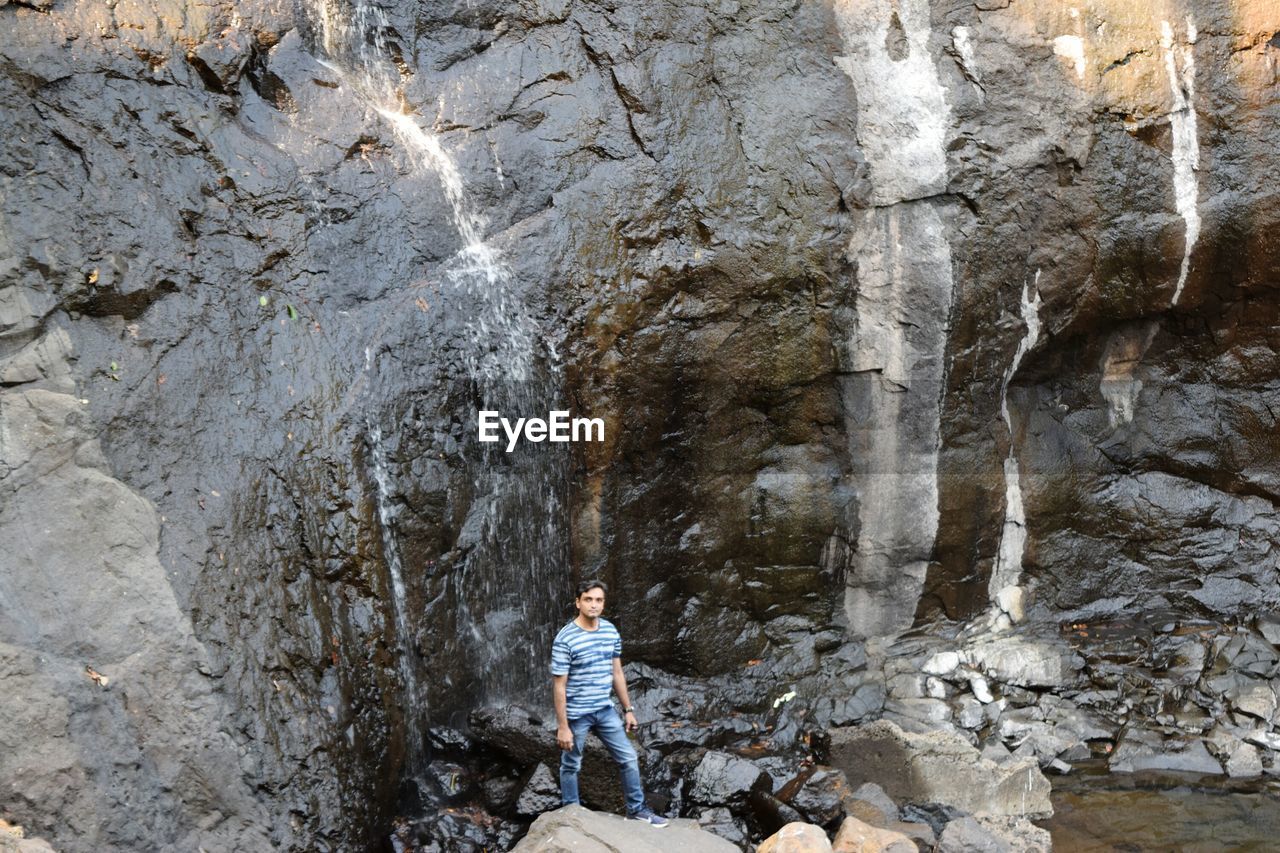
(608, 727)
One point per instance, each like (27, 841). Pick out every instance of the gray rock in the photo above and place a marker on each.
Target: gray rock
(971, 714)
(1025, 661)
(918, 715)
(938, 767)
(722, 822)
(942, 663)
(110, 719)
(981, 690)
(541, 793)
(529, 739)
(870, 804)
(1257, 699)
(1268, 624)
(993, 835)
(1140, 749)
(807, 399)
(822, 797)
(921, 833)
(1264, 739)
(1243, 762)
(722, 779)
(576, 828)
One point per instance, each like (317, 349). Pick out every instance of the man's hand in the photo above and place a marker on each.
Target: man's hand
(629, 721)
(564, 738)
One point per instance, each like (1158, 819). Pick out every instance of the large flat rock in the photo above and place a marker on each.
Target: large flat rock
(939, 767)
(580, 830)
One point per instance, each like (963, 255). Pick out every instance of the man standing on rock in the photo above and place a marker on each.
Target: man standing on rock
(586, 662)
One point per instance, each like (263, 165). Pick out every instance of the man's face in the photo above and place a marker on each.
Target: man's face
(591, 603)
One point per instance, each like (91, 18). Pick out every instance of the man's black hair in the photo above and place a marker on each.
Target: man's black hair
(586, 586)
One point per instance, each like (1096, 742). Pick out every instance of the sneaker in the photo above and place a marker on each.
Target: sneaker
(648, 815)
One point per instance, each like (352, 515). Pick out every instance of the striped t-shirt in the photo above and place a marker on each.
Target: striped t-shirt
(587, 658)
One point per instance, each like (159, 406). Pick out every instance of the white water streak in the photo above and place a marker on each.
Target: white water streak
(1002, 588)
(1180, 64)
(501, 330)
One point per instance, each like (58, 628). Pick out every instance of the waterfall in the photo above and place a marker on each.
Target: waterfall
(1120, 384)
(1006, 595)
(407, 658)
(894, 355)
(1186, 147)
(505, 589)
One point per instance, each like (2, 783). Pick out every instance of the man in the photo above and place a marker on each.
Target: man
(586, 661)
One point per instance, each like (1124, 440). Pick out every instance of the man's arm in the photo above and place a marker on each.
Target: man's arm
(564, 735)
(620, 687)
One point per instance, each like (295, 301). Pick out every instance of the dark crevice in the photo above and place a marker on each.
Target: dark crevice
(630, 104)
(210, 79)
(44, 7)
(84, 161)
(1124, 60)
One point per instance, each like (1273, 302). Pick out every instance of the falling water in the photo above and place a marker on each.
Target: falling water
(504, 591)
(1186, 147)
(1125, 350)
(407, 658)
(1006, 595)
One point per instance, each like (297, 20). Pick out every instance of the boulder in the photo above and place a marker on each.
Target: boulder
(541, 793)
(972, 834)
(721, 822)
(923, 714)
(942, 663)
(1140, 749)
(822, 795)
(856, 836)
(1268, 625)
(1243, 762)
(1026, 662)
(870, 804)
(722, 779)
(921, 833)
(796, 838)
(1256, 699)
(939, 767)
(499, 791)
(528, 739)
(584, 831)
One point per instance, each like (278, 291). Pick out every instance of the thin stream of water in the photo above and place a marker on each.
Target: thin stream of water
(506, 588)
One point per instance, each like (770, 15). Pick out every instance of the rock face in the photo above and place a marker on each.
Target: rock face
(576, 828)
(939, 767)
(889, 310)
(108, 697)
